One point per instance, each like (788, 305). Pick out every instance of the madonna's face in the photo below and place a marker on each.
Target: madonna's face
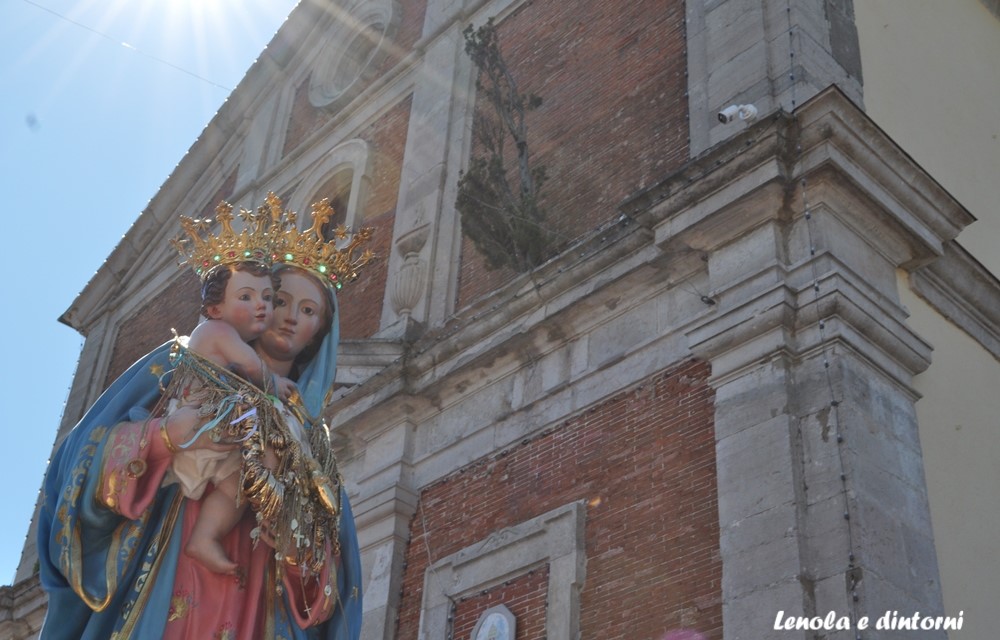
(300, 313)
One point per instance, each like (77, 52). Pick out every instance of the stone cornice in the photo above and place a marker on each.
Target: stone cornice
(965, 292)
(777, 154)
(835, 132)
(496, 331)
(855, 175)
(819, 199)
(786, 319)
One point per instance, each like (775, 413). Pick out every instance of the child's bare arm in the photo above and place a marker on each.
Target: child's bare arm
(220, 343)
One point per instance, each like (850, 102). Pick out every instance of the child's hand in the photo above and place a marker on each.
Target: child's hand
(285, 388)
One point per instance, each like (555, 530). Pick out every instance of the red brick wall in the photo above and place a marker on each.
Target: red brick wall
(176, 307)
(306, 118)
(524, 596)
(644, 461)
(614, 113)
(361, 300)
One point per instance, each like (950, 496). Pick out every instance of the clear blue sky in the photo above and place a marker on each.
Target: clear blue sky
(89, 130)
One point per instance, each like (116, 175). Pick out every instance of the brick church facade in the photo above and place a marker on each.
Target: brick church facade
(700, 411)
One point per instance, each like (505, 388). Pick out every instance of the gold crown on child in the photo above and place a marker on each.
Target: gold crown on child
(270, 235)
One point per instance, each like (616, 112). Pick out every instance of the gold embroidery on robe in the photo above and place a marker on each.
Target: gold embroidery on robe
(151, 566)
(180, 604)
(69, 538)
(225, 632)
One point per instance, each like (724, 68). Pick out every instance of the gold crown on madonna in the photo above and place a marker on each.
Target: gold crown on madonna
(201, 250)
(311, 251)
(271, 235)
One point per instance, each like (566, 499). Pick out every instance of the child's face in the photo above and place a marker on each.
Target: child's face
(246, 306)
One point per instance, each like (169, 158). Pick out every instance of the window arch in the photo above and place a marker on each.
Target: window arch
(338, 191)
(343, 176)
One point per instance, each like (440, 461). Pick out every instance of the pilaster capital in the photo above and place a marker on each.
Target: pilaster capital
(803, 222)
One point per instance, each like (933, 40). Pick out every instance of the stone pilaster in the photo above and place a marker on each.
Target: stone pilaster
(425, 240)
(386, 503)
(773, 54)
(822, 501)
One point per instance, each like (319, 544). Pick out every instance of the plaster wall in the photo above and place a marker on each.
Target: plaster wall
(959, 436)
(932, 82)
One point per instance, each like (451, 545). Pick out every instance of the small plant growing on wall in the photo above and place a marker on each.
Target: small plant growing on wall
(498, 196)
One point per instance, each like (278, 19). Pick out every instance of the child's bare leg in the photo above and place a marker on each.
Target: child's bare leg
(270, 459)
(219, 514)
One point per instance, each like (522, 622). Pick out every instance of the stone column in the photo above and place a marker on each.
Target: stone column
(822, 500)
(383, 511)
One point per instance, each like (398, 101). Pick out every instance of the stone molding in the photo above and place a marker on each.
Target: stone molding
(383, 521)
(334, 81)
(513, 313)
(555, 538)
(354, 155)
(770, 157)
(22, 609)
(965, 292)
(746, 175)
(423, 281)
(785, 319)
(360, 360)
(804, 221)
(732, 222)
(437, 126)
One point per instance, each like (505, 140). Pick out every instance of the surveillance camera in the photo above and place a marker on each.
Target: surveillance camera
(728, 114)
(741, 111)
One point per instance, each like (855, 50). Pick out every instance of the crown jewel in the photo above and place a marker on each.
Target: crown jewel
(201, 250)
(271, 235)
(311, 251)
